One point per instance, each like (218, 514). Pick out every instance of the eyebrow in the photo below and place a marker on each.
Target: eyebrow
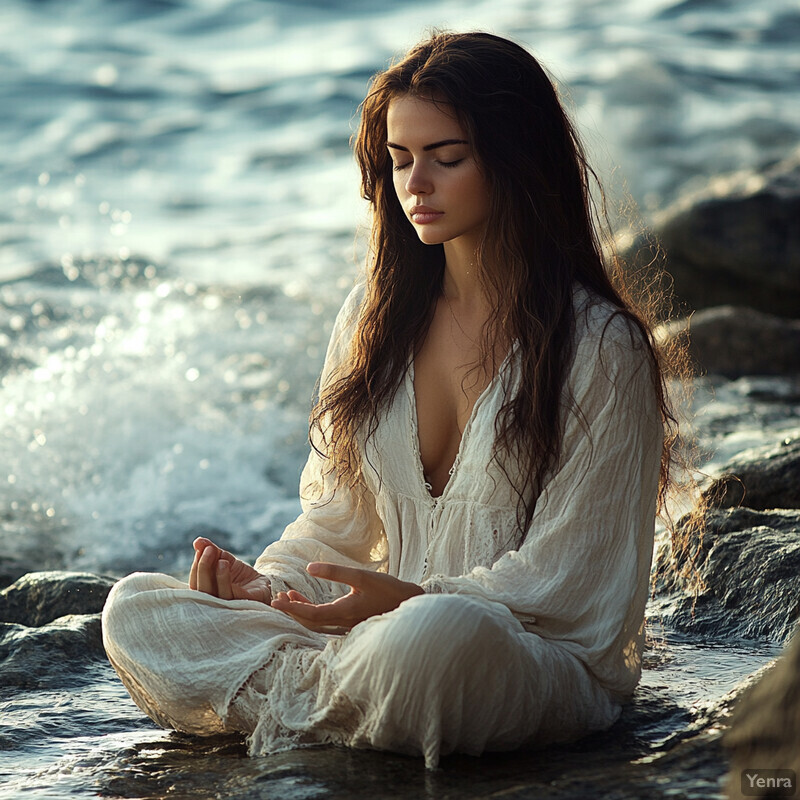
(428, 147)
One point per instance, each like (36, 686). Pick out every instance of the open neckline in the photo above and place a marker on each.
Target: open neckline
(416, 451)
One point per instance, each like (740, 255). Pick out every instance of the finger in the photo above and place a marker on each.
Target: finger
(325, 622)
(323, 614)
(193, 571)
(206, 571)
(200, 543)
(297, 597)
(224, 589)
(280, 600)
(339, 574)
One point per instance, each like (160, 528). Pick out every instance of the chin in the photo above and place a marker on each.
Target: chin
(429, 237)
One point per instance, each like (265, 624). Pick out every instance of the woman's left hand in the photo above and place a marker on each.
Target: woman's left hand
(371, 593)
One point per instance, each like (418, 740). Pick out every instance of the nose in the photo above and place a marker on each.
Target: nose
(418, 182)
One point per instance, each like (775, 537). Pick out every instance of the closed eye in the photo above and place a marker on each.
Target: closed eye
(399, 167)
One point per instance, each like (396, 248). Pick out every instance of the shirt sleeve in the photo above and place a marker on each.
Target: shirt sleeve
(581, 575)
(337, 524)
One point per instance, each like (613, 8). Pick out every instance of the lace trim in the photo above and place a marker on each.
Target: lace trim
(292, 702)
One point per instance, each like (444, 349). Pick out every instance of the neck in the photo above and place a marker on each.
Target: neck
(461, 282)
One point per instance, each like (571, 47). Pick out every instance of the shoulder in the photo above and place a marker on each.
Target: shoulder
(344, 328)
(601, 324)
(348, 315)
(608, 346)
(602, 330)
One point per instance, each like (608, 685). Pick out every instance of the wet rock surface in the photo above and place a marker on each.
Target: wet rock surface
(736, 340)
(655, 748)
(41, 597)
(50, 629)
(735, 242)
(49, 656)
(760, 478)
(749, 564)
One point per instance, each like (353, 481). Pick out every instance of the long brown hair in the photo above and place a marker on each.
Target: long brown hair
(541, 237)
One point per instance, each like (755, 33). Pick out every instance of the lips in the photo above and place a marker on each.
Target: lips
(423, 215)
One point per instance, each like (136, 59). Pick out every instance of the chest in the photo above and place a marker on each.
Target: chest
(448, 382)
(409, 448)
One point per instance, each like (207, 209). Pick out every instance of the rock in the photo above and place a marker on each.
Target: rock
(760, 478)
(631, 760)
(41, 597)
(50, 629)
(749, 564)
(736, 241)
(765, 725)
(736, 340)
(55, 654)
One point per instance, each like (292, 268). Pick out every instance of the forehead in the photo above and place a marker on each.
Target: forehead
(414, 120)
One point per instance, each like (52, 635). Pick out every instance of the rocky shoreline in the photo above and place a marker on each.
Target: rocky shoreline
(733, 250)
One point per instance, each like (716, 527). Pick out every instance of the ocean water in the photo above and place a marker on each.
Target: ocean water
(180, 220)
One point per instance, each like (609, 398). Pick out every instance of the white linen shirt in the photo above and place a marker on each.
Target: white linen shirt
(579, 577)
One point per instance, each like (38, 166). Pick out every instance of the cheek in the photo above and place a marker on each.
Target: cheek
(478, 192)
(399, 184)
(472, 184)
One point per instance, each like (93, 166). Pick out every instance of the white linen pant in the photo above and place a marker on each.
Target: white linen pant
(439, 674)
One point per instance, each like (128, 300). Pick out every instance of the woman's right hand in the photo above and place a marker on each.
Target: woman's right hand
(219, 573)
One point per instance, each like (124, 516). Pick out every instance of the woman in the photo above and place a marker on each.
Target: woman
(471, 565)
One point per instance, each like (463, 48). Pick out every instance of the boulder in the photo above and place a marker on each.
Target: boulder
(760, 478)
(736, 340)
(748, 565)
(53, 655)
(735, 241)
(50, 629)
(41, 597)
(765, 727)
